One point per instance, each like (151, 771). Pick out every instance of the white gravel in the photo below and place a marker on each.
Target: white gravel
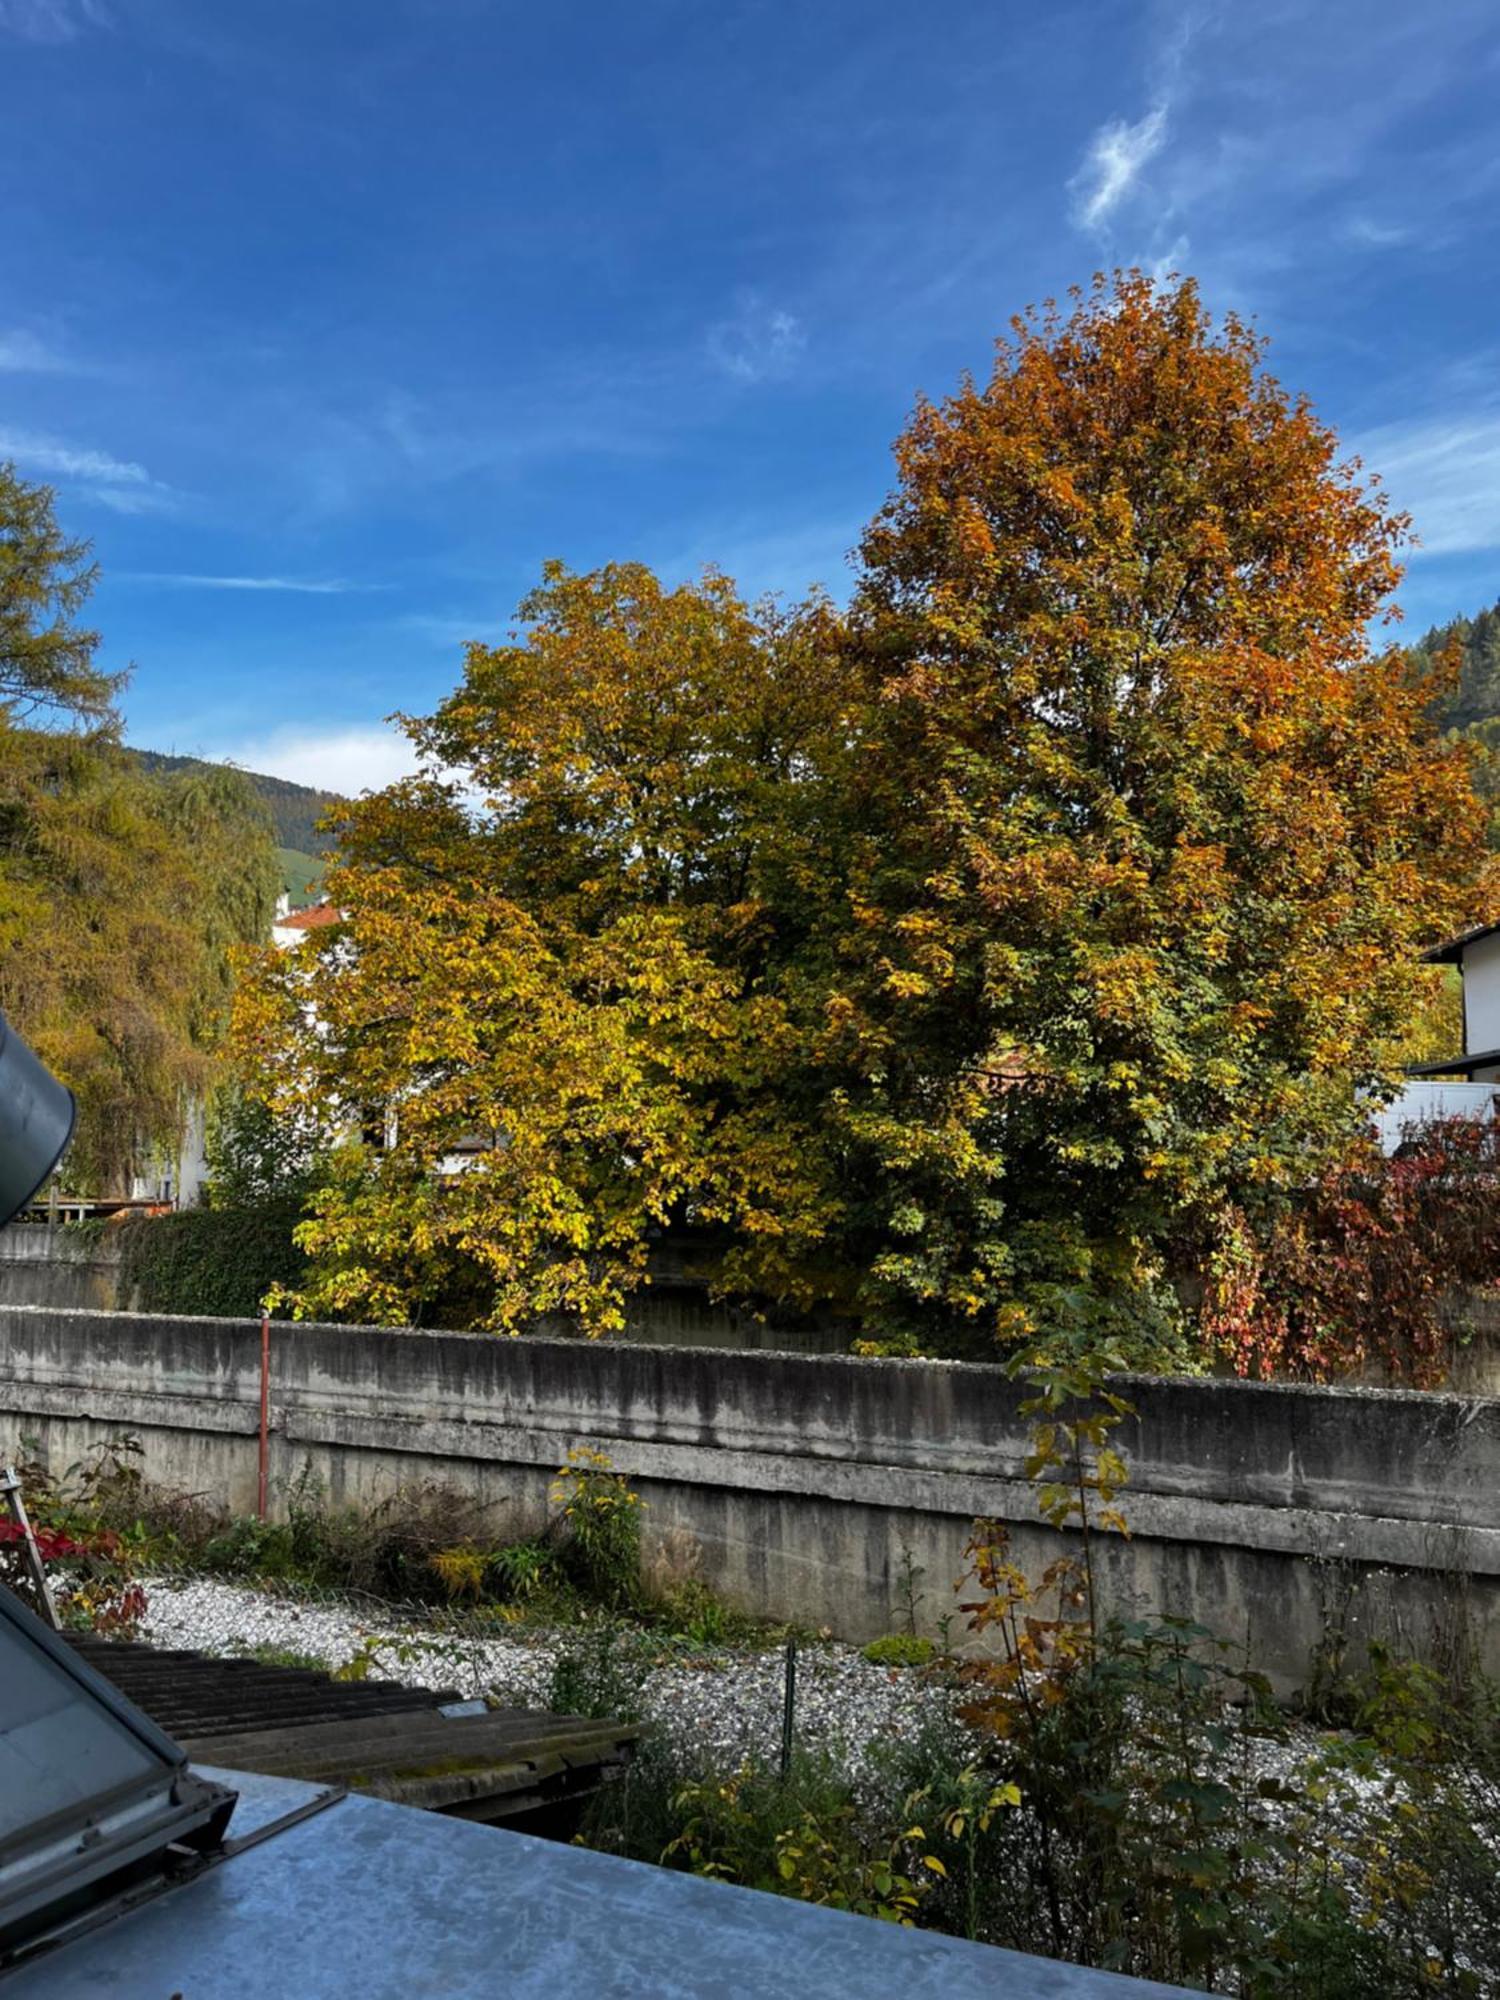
(717, 1705)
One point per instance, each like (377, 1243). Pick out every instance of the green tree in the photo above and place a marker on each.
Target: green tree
(1460, 664)
(964, 963)
(122, 895)
(47, 661)
(1472, 695)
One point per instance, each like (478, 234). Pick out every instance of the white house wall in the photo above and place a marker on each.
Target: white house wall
(1482, 995)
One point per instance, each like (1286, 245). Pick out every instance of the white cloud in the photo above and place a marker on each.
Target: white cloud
(152, 499)
(353, 758)
(21, 352)
(42, 454)
(1171, 262)
(116, 483)
(303, 586)
(1112, 165)
(1445, 471)
(51, 20)
(758, 342)
(449, 631)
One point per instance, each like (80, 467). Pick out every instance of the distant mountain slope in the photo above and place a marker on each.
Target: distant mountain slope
(295, 809)
(1472, 708)
(1476, 699)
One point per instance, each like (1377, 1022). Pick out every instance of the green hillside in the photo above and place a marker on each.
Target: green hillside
(295, 809)
(1472, 708)
(301, 876)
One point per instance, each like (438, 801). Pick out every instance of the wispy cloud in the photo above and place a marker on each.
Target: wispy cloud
(1111, 167)
(1171, 261)
(117, 483)
(152, 499)
(304, 586)
(448, 631)
(1445, 470)
(787, 560)
(52, 21)
(348, 758)
(758, 342)
(1372, 234)
(66, 461)
(23, 353)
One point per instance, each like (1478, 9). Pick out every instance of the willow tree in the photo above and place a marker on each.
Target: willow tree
(122, 895)
(1165, 830)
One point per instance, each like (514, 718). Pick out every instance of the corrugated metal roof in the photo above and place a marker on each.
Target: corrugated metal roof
(393, 1742)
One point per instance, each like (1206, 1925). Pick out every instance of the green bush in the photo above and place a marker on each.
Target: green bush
(84, 1523)
(601, 1522)
(1171, 1825)
(598, 1674)
(521, 1571)
(804, 1834)
(389, 1551)
(800, 1839)
(215, 1261)
(267, 1654)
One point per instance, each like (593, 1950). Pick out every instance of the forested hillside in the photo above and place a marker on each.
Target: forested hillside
(1472, 707)
(295, 809)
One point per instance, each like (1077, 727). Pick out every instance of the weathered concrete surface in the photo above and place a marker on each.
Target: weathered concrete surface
(45, 1266)
(799, 1480)
(41, 1265)
(1476, 1365)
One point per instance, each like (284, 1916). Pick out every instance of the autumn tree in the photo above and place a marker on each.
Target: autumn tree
(578, 966)
(122, 895)
(966, 962)
(1163, 830)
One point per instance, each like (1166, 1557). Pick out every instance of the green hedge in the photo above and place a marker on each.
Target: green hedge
(220, 1261)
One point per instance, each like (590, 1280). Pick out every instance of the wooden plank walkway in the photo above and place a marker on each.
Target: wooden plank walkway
(393, 1742)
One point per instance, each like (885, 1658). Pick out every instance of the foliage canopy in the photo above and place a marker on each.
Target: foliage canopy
(961, 960)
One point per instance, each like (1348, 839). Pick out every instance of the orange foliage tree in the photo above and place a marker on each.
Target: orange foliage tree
(1162, 831)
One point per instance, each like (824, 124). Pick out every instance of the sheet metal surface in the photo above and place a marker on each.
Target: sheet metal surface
(378, 1902)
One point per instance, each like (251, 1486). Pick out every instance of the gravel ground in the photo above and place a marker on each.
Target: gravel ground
(717, 1704)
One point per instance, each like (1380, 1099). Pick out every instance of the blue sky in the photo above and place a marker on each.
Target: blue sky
(330, 322)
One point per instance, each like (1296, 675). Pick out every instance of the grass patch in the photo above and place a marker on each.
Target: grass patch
(900, 1649)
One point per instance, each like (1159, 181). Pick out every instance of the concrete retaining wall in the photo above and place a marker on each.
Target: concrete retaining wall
(41, 1265)
(45, 1266)
(798, 1481)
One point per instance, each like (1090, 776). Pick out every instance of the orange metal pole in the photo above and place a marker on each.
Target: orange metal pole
(265, 1413)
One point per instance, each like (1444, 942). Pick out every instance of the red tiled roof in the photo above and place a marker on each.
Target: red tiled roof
(310, 919)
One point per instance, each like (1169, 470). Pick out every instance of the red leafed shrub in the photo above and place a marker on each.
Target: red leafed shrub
(91, 1565)
(48, 1540)
(1356, 1273)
